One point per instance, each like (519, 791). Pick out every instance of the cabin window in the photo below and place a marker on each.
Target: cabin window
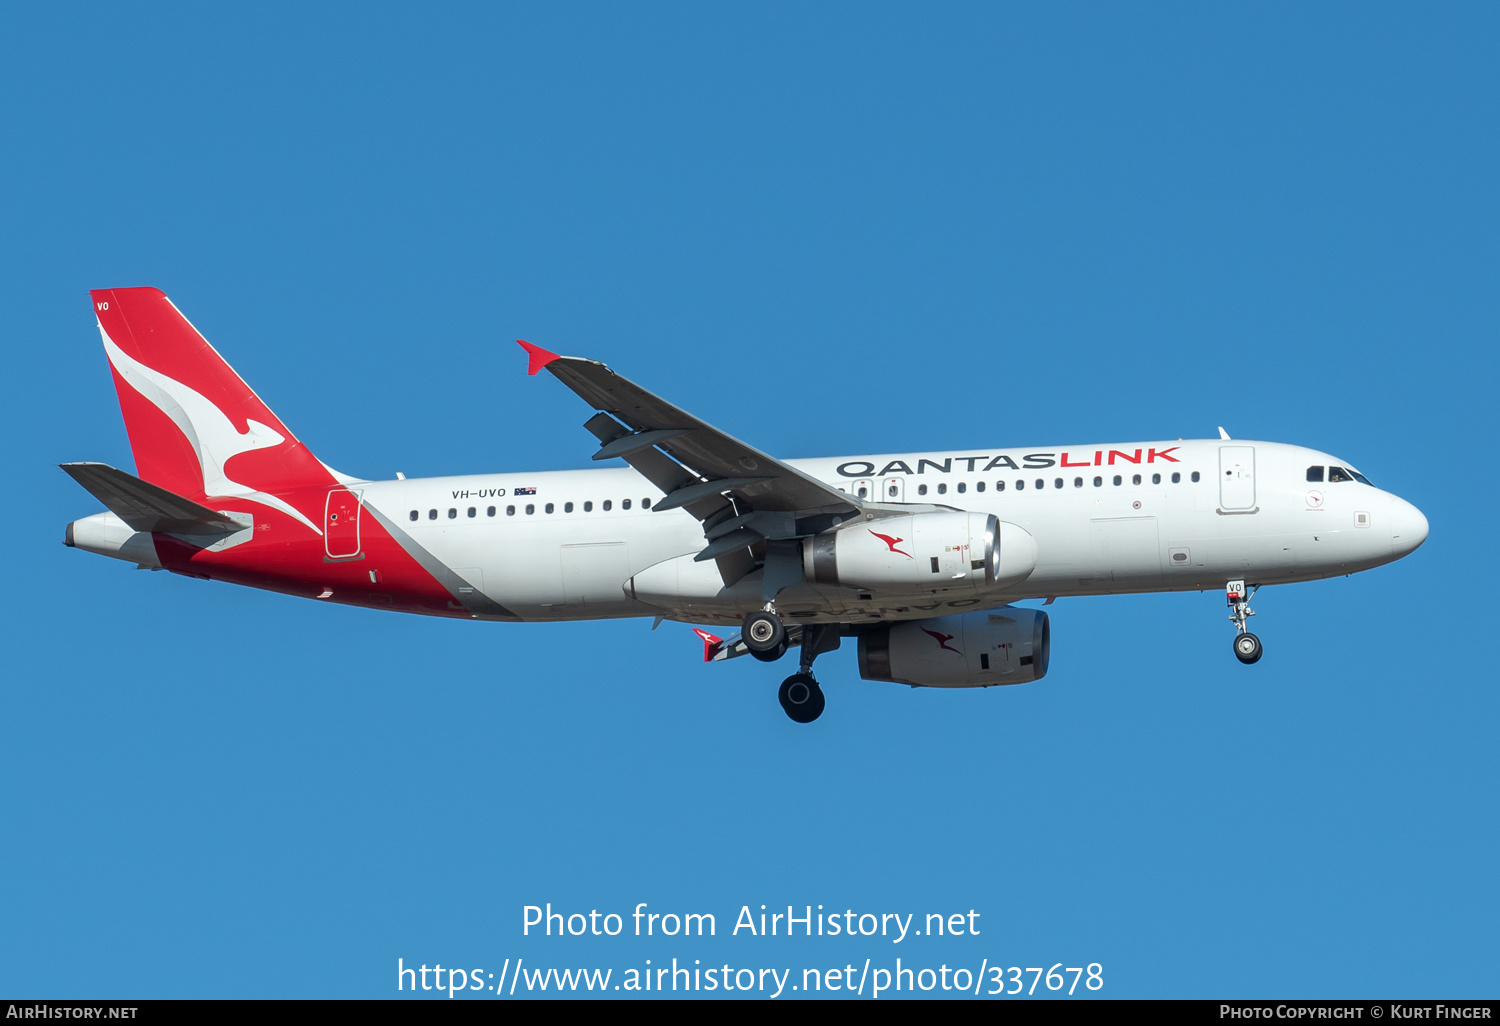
(1176, 477)
(645, 504)
(1098, 482)
(413, 514)
(510, 511)
(1315, 473)
(1195, 477)
(860, 493)
(567, 507)
(452, 513)
(999, 486)
(625, 504)
(942, 489)
(473, 512)
(432, 514)
(1136, 479)
(588, 507)
(1078, 482)
(1156, 479)
(1119, 480)
(1020, 486)
(606, 505)
(1057, 483)
(1040, 483)
(530, 508)
(490, 512)
(921, 489)
(962, 488)
(979, 486)
(549, 507)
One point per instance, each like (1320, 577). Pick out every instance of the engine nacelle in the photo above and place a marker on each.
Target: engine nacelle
(1009, 645)
(938, 551)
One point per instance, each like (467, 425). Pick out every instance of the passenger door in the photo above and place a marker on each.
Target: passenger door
(1237, 478)
(341, 524)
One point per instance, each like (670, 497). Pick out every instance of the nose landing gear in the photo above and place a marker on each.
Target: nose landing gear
(1247, 647)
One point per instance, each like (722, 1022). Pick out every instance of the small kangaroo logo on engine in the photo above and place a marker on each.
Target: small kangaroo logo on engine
(891, 543)
(941, 639)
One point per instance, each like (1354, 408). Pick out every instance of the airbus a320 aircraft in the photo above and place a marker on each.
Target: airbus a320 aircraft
(918, 557)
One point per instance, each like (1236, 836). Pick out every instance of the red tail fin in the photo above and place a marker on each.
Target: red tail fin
(195, 427)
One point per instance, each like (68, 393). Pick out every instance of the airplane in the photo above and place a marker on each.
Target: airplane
(920, 558)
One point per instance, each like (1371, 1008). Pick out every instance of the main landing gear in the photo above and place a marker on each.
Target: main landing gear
(765, 636)
(1247, 647)
(801, 697)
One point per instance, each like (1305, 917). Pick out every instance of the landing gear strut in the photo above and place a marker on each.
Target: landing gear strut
(800, 695)
(1247, 647)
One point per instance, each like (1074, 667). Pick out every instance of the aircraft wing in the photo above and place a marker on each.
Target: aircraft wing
(740, 494)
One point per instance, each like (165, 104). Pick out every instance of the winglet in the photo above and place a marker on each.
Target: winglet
(711, 644)
(539, 356)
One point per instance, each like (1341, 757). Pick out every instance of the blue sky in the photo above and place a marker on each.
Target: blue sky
(825, 230)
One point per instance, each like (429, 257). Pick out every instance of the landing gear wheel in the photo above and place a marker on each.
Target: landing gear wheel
(1246, 645)
(771, 656)
(801, 697)
(1247, 648)
(764, 632)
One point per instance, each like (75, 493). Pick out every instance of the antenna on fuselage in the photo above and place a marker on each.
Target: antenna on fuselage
(1223, 434)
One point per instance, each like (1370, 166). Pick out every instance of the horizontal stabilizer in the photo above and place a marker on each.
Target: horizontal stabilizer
(145, 506)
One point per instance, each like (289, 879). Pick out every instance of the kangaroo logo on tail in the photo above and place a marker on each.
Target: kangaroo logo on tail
(212, 435)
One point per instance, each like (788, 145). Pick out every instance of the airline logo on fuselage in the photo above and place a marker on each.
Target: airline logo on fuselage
(1031, 461)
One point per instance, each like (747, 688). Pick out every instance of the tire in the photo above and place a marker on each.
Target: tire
(773, 655)
(801, 698)
(763, 632)
(1247, 648)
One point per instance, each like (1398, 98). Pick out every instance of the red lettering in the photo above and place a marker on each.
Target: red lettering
(1065, 462)
(1098, 457)
(1153, 454)
(1124, 456)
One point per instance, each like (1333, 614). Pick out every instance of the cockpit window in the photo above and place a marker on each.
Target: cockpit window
(1315, 473)
(1361, 478)
(1336, 474)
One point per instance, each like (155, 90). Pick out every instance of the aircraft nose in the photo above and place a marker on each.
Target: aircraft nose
(1407, 525)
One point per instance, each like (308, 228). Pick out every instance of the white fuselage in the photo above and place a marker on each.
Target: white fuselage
(1106, 519)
